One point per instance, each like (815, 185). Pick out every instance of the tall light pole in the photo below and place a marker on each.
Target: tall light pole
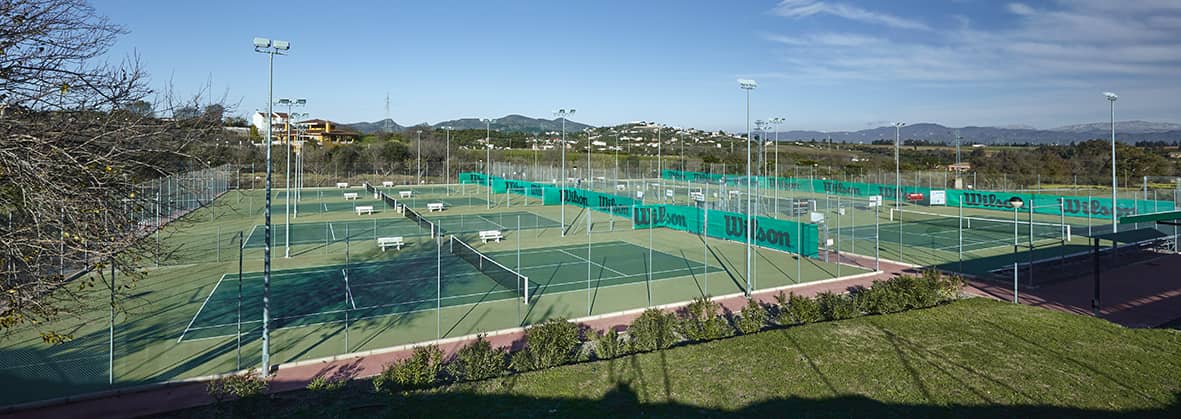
(488, 157)
(775, 122)
(748, 85)
(898, 182)
(1016, 203)
(287, 192)
(1111, 98)
(418, 152)
(298, 166)
(447, 161)
(563, 113)
(271, 48)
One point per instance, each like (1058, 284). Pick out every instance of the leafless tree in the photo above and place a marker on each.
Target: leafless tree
(74, 142)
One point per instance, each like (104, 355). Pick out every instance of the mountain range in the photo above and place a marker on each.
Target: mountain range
(1126, 131)
(508, 123)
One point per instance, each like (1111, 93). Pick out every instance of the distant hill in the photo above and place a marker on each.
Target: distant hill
(1129, 132)
(379, 126)
(509, 123)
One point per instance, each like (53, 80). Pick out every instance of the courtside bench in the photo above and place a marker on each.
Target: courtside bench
(350, 195)
(434, 206)
(491, 235)
(405, 194)
(395, 242)
(342, 185)
(387, 184)
(368, 209)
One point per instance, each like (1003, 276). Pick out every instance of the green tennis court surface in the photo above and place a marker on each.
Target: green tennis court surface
(336, 231)
(503, 221)
(309, 296)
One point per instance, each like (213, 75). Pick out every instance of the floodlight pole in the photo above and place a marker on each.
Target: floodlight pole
(898, 182)
(562, 113)
(418, 152)
(775, 122)
(287, 178)
(488, 159)
(447, 162)
(265, 46)
(1111, 98)
(1016, 203)
(748, 85)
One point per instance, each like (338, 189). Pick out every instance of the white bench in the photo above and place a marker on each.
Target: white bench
(342, 185)
(368, 209)
(405, 194)
(395, 242)
(697, 196)
(350, 195)
(734, 192)
(387, 184)
(491, 235)
(434, 206)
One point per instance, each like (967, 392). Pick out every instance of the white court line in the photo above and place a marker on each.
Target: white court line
(332, 230)
(250, 236)
(502, 227)
(592, 262)
(182, 334)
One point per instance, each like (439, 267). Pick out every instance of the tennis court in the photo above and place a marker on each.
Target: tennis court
(503, 221)
(410, 283)
(336, 231)
(943, 232)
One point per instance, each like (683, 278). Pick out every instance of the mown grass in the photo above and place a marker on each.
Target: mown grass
(972, 358)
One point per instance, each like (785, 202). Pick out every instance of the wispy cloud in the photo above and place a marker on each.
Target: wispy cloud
(1068, 40)
(805, 8)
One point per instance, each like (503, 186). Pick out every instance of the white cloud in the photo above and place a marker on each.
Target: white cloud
(805, 8)
(1078, 39)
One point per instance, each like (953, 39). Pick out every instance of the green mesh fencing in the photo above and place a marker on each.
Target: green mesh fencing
(788, 236)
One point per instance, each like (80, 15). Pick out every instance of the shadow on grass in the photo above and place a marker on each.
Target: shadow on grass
(627, 400)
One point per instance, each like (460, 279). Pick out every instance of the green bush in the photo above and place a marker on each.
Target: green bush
(700, 321)
(479, 360)
(609, 344)
(836, 306)
(752, 318)
(246, 385)
(799, 310)
(652, 330)
(420, 370)
(324, 384)
(549, 344)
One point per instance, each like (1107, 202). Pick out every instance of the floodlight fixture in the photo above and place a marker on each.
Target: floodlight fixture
(301, 101)
(262, 43)
(281, 45)
(1111, 96)
(1016, 202)
(747, 84)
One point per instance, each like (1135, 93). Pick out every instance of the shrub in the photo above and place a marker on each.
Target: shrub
(479, 360)
(700, 321)
(652, 330)
(324, 384)
(752, 318)
(836, 306)
(609, 344)
(799, 310)
(548, 344)
(420, 370)
(885, 297)
(246, 385)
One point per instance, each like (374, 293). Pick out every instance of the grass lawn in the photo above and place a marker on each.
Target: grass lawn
(973, 358)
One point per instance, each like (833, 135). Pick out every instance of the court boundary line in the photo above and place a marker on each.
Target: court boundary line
(596, 263)
(202, 308)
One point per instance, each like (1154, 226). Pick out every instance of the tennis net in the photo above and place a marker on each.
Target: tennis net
(411, 214)
(504, 276)
(1041, 230)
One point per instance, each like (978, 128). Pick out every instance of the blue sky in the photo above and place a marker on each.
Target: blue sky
(826, 65)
